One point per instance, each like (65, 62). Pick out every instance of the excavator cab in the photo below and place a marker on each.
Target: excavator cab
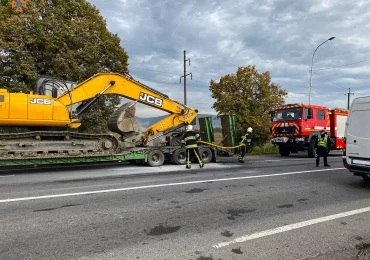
(53, 87)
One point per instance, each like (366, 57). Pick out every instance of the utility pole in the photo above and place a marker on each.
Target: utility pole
(349, 97)
(191, 74)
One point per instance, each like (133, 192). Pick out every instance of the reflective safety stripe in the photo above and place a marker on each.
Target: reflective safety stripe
(190, 138)
(243, 139)
(188, 162)
(322, 142)
(192, 146)
(199, 160)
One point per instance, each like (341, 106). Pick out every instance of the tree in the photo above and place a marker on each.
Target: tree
(250, 96)
(67, 39)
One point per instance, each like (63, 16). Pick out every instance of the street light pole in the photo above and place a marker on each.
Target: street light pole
(309, 98)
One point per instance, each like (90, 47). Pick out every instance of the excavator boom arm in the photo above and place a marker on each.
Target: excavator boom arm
(116, 84)
(125, 86)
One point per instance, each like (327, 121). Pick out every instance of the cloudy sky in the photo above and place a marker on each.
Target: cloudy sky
(279, 36)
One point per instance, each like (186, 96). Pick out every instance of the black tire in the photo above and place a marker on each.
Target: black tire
(284, 151)
(206, 154)
(179, 156)
(366, 178)
(155, 158)
(312, 153)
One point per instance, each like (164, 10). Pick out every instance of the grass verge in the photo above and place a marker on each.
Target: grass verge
(265, 149)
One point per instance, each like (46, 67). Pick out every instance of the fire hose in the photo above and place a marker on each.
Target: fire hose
(222, 147)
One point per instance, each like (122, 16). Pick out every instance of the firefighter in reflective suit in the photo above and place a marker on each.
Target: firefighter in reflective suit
(245, 140)
(322, 144)
(190, 142)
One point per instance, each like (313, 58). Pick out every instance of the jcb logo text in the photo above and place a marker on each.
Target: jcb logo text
(187, 116)
(150, 99)
(40, 101)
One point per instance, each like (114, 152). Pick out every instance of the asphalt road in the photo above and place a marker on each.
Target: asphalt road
(268, 208)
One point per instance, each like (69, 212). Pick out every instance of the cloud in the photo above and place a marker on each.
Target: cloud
(276, 36)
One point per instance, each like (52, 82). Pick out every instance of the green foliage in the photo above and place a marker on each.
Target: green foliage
(67, 39)
(267, 148)
(250, 96)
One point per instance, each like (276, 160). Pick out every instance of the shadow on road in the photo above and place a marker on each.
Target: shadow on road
(251, 162)
(359, 183)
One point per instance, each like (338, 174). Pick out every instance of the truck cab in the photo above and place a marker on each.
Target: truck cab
(295, 127)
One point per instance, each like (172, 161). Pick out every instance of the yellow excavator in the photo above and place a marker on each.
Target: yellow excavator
(53, 117)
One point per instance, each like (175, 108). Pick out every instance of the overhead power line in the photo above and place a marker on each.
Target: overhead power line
(149, 47)
(155, 81)
(169, 73)
(212, 71)
(329, 80)
(345, 65)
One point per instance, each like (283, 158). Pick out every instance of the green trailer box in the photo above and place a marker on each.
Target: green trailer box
(206, 129)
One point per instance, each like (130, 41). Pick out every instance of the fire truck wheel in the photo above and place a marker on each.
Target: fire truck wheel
(284, 151)
(311, 149)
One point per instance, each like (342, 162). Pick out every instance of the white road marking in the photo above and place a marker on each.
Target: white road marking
(160, 185)
(277, 230)
(6, 176)
(283, 160)
(170, 168)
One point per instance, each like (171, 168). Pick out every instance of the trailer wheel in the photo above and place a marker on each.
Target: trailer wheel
(284, 151)
(312, 153)
(179, 157)
(155, 158)
(206, 154)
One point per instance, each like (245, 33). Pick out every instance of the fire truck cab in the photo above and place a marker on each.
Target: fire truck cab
(295, 127)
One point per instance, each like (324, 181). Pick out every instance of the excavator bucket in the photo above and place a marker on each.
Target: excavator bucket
(123, 121)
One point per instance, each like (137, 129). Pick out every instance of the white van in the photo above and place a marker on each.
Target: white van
(356, 155)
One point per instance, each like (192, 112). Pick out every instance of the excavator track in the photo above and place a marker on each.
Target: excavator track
(55, 144)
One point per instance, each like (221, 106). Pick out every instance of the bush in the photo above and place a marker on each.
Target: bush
(267, 148)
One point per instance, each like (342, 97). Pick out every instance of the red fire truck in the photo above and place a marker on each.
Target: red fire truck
(295, 127)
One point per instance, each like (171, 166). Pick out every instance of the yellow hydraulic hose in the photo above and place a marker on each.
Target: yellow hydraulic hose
(222, 147)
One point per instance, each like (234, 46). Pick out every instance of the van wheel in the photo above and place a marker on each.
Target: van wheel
(284, 151)
(366, 178)
(312, 152)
